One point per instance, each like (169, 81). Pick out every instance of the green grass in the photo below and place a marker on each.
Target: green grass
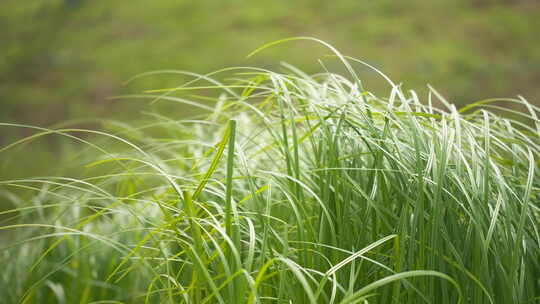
(291, 188)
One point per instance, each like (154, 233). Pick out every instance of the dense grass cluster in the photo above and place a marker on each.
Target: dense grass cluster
(290, 188)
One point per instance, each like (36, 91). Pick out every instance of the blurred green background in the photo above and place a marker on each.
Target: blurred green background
(62, 59)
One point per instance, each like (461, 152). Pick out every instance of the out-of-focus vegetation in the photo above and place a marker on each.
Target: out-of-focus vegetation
(62, 59)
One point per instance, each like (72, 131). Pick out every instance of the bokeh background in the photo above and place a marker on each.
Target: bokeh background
(62, 59)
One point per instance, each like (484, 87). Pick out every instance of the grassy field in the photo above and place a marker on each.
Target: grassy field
(64, 59)
(286, 187)
(67, 60)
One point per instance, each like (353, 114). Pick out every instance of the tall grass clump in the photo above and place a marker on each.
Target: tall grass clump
(288, 188)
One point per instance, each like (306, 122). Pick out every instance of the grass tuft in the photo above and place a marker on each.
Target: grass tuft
(327, 194)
